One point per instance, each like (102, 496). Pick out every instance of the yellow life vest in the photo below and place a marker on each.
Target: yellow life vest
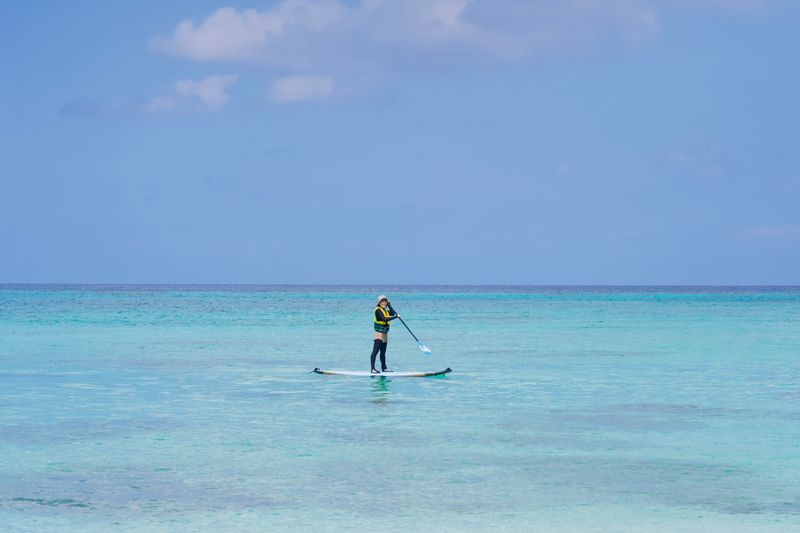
(385, 314)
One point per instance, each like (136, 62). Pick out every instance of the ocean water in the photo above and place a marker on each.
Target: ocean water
(568, 409)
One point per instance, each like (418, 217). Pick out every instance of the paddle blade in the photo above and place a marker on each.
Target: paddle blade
(424, 348)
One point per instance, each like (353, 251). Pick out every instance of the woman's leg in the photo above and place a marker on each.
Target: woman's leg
(383, 354)
(376, 346)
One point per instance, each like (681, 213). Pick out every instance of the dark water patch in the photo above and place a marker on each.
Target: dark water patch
(624, 422)
(455, 478)
(787, 395)
(647, 416)
(550, 439)
(461, 480)
(82, 430)
(745, 508)
(50, 503)
(156, 492)
(544, 480)
(674, 409)
(791, 507)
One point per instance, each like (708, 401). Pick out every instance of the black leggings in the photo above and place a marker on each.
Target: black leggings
(378, 346)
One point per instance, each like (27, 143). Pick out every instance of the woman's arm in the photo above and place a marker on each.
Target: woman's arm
(379, 316)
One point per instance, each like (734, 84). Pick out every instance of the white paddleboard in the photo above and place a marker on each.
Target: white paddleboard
(383, 374)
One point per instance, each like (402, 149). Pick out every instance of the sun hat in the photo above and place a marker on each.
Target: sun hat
(382, 297)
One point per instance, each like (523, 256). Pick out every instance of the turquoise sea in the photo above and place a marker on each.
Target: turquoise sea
(176, 408)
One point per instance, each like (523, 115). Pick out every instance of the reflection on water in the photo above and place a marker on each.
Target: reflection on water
(380, 390)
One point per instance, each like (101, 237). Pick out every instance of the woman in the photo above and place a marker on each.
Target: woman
(382, 316)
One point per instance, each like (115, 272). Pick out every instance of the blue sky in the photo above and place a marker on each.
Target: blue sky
(435, 141)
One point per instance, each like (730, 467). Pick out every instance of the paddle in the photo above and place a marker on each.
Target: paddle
(422, 347)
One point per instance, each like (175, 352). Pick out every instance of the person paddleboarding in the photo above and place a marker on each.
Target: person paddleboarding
(381, 317)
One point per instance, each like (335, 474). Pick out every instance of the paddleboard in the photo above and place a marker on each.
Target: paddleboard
(383, 374)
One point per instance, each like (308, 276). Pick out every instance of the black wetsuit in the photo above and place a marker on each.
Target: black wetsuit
(379, 345)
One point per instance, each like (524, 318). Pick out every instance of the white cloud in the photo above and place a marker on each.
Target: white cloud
(230, 34)
(307, 35)
(210, 92)
(225, 34)
(360, 42)
(160, 103)
(300, 89)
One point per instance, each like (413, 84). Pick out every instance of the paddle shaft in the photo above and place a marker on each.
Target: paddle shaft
(409, 329)
(406, 325)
